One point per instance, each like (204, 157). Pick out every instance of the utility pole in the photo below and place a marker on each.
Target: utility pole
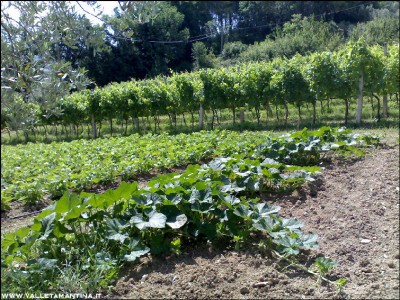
(222, 37)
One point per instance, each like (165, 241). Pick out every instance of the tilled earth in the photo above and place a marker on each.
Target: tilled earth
(353, 207)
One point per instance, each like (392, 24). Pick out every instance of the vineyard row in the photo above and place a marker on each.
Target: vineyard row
(350, 73)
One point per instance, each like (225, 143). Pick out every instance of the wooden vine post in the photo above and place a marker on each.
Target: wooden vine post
(94, 129)
(136, 122)
(385, 109)
(201, 116)
(241, 116)
(360, 98)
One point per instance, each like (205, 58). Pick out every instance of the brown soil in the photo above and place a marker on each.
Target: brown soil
(353, 207)
(20, 215)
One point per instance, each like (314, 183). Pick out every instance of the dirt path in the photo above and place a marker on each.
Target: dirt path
(355, 212)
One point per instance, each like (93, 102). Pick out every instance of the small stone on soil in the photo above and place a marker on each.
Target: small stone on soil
(260, 284)
(365, 241)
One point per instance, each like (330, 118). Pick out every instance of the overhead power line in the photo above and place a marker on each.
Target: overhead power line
(211, 34)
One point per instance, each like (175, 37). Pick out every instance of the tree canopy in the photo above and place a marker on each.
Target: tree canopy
(49, 50)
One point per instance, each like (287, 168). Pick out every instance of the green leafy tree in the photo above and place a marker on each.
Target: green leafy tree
(231, 52)
(300, 35)
(378, 31)
(203, 57)
(155, 29)
(33, 58)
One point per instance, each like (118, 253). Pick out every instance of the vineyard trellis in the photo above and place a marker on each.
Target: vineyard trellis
(347, 74)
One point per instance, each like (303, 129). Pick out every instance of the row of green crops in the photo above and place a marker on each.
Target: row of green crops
(299, 81)
(31, 171)
(93, 235)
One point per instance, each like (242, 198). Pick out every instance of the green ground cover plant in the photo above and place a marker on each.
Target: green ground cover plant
(30, 172)
(93, 235)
